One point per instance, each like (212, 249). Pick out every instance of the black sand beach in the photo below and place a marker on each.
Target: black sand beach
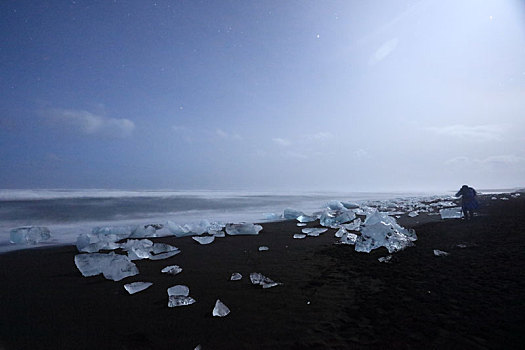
(331, 298)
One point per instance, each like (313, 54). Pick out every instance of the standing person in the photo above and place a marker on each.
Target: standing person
(469, 202)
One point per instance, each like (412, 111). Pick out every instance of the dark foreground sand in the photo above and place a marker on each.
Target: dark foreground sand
(332, 297)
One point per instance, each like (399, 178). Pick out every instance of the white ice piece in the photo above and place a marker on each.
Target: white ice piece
(292, 214)
(235, 276)
(299, 236)
(259, 279)
(220, 310)
(385, 259)
(335, 219)
(504, 199)
(353, 226)
(335, 205)
(341, 232)
(180, 300)
(136, 287)
(172, 270)
(29, 235)
(263, 248)
(92, 243)
(113, 266)
(301, 224)
(179, 290)
(204, 239)
(451, 213)
(413, 214)
(143, 232)
(313, 231)
(350, 205)
(177, 229)
(348, 238)
(438, 252)
(243, 229)
(306, 218)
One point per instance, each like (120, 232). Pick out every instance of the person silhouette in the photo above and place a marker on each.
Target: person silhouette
(469, 202)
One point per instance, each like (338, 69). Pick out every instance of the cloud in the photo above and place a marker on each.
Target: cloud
(322, 135)
(475, 133)
(224, 135)
(296, 155)
(506, 159)
(383, 51)
(282, 142)
(92, 124)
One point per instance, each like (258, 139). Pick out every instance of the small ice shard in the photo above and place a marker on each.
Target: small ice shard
(179, 290)
(292, 214)
(301, 224)
(113, 266)
(341, 232)
(220, 310)
(29, 235)
(136, 287)
(177, 229)
(494, 198)
(172, 270)
(413, 214)
(331, 219)
(299, 236)
(163, 251)
(314, 231)
(451, 213)
(438, 252)
(504, 199)
(353, 226)
(204, 239)
(235, 276)
(461, 245)
(180, 300)
(350, 205)
(348, 238)
(243, 229)
(385, 259)
(265, 282)
(306, 218)
(263, 248)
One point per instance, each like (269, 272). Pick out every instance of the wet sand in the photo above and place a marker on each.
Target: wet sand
(331, 297)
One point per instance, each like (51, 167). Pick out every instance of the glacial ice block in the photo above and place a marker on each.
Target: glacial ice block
(353, 226)
(113, 266)
(179, 290)
(235, 276)
(177, 230)
(259, 279)
(451, 213)
(348, 238)
(335, 205)
(292, 214)
(172, 270)
(93, 243)
(136, 287)
(243, 229)
(220, 310)
(314, 231)
(335, 219)
(204, 239)
(180, 300)
(29, 235)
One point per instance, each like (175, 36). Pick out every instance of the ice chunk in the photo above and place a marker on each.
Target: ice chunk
(136, 287)
(335, 205)
(413, 214)
(259, 279)
(263, 248)
(163, 251)
(113, 266)
(381, 230)
(314, 231)
(385, 259)
(299, 236)
(504, 199)
(243, 229)
(143, 232)
(272, 217)
(138, 248)
(494, 198)
(291, 214)
(180, 300)
(29, 235)
(220, 310)
(353, 226)
(306, 218)
(331, 219)
(235, 276)
(341, 232)
(350, 205)
(179, 290)
(217, 234)
(204, 239)
(92, 243)
(301, 224)
(121, 231)
(438, 252)
(451, 213)
(172, 270)
(178, 230)
(348, 238)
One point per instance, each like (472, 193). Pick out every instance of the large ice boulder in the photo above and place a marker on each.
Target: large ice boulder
(113, 266)
(29, 235)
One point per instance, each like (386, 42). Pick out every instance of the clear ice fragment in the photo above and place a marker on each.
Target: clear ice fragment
(29, 235)
(172, 270)
(451, 213)
(413, 214)
(350, 205)
(299, 236)
(353, 226)
(243, 229)
(301, 224)
(263, 248)
(113, 266)
(235, 276)
(335, 205)
(204, 239)
(136, 287)
(180, 300)
(177, 229)
(385, 259)
(220, 310)
(438, 252)
(306, 218)
(314, 231)
(259, 279)
(179, 290)
(348, 238)
(335, 219)
(292, 214)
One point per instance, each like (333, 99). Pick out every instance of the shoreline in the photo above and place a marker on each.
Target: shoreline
(331, 297)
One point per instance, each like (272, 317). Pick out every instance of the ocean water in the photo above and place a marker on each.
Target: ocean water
(68, 213)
